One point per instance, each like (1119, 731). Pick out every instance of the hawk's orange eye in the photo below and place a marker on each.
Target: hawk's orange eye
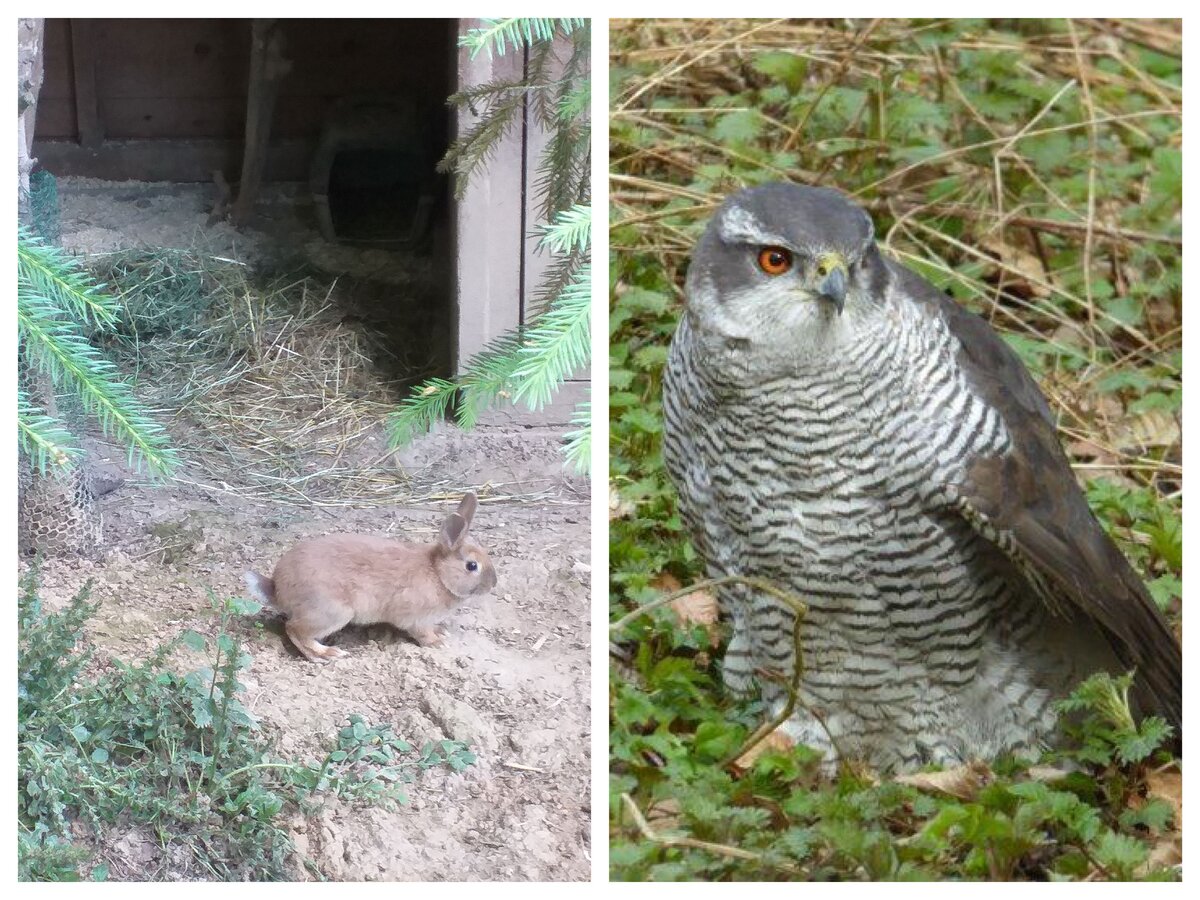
(775, 260)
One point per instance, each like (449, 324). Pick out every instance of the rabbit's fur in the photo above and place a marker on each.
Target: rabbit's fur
(327, 583)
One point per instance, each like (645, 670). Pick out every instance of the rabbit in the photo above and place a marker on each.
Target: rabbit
(324, 584)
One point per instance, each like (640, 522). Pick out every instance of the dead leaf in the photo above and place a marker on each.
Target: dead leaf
(1161, 314)
(696, 608)
(963, 782)
(775, 742)
(1154, 428)
(1085, 448)
(664, 815)
(1166, 852)
(667, 583)
(1018, 262)
(1046, 774)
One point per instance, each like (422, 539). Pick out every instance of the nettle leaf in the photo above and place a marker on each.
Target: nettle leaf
(642, 420)
(1071, 866)
(1158, 401)
(1160, 65)
(242, 606)
(1120, 853)
(844, 102)
(910, 114)
(999, 105)
(1156, 814)
(1125, 379)
(1135, 746)
(1165, 589)
(835, 146)
(796, 842)
(620, 379)
(917, 153)
(717, 740)
(1036, 353)
(1166, 538)
(651, 358)
(202, 711)
(640, 300)
(634, 708)
(1049, 151)
(773, 95)
(1126, 310)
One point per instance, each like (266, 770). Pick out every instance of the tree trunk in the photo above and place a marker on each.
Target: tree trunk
(29, 83)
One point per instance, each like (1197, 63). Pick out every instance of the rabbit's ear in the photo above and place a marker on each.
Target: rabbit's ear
(466, 507)
(454, 529)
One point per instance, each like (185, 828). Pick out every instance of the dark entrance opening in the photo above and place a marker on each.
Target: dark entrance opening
(373, 177)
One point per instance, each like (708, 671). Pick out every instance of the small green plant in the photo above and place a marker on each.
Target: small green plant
(371, 764)
(529, 364)
(140, 746)
(677, 814)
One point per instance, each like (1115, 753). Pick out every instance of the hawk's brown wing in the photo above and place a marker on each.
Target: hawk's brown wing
(1030, 496)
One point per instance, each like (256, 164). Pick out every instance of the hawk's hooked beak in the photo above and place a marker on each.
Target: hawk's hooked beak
(832, 271)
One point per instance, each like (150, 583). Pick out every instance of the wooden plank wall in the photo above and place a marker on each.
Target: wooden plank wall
(165, 99)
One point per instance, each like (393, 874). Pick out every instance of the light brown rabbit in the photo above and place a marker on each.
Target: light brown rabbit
(324, 584)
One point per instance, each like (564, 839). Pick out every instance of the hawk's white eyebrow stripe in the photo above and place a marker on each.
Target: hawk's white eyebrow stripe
(737, 225)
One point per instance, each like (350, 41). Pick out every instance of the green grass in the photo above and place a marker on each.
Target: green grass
(1031, 168)
(105, 746)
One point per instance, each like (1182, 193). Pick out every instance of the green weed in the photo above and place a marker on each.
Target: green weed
(106, 746)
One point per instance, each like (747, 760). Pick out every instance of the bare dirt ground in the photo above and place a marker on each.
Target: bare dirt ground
(512, 678)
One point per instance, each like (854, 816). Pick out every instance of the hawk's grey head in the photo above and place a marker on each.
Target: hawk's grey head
(785, 266)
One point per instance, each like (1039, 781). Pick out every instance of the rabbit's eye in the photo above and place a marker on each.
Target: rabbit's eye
(472, 565)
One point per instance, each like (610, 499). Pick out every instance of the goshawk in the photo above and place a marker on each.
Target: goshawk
(839, 427)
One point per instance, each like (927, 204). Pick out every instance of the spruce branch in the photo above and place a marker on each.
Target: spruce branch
(45, 270)
(56, 300)
(578, 449)
(558, 344)
(570, 231)
(43, 438)
(497, 35)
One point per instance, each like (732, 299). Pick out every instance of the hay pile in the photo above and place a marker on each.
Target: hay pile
(271, 390)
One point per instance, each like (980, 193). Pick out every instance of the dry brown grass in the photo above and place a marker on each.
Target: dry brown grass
(271, 390)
